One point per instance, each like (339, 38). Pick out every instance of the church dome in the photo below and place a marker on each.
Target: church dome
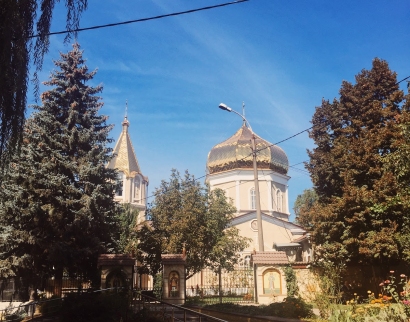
(236, 153)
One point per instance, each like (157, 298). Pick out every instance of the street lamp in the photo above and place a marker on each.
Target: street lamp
(224, 107)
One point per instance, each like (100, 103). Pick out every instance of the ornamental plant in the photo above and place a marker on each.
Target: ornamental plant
(397, 291)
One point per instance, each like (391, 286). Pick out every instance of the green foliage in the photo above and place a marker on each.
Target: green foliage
(127, 235)
(57, 209)
(291, 281)
(18, 21)
(186, 213)
(290, 308)
(329, 292)
(302, 206)
(356, 218)
(363, 313)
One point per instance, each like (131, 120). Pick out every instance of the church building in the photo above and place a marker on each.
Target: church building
(230, 168)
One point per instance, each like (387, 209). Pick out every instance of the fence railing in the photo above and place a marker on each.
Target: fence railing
(41, 308)
(139, 301)
(169, 312)
(211, 295)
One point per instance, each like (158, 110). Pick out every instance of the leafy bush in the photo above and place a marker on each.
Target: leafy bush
(290, 308)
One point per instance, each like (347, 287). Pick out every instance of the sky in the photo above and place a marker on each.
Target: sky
(278, 57)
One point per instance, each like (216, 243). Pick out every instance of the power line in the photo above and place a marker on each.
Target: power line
(138, 20)
(288, 138)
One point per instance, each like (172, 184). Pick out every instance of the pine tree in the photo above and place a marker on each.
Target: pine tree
(353, 218)
(57, 205)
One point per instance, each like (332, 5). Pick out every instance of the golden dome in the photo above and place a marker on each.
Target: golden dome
(236, 153)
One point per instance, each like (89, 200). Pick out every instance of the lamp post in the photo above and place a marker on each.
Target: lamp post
(223, 106)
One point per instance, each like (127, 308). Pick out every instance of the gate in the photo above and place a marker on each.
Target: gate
(236, 286)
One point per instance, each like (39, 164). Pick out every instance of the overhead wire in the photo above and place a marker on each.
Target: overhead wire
(137, 20)
(277, 143)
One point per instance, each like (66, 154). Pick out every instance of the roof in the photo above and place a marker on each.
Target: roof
(270, 258)
(125, 159)
(115, 260)
(173, 259)
(236, 153)
(301, 238)
(268, 218)
(287, 245)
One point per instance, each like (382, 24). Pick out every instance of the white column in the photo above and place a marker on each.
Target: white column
(132, 190)
(270, 206)
(238, 197)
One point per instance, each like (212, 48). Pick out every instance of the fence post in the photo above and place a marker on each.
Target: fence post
(220, 283)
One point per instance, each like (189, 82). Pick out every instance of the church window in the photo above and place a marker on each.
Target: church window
(272, 283)
(119, 183)
(137, 191)
(253, 199)
(247, 260)
(279, 200)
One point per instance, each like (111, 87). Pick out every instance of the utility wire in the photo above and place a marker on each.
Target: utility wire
(138, 20)
(288, 138)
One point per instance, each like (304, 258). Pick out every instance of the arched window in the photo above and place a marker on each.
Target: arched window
(247, 261)
(279, 200)
(119, 183)
(253, 199)
(137, 190)
(272, 283)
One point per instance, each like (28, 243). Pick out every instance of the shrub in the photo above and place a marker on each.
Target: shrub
(290, 308)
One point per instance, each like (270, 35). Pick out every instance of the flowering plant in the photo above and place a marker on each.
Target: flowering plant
(398, 292)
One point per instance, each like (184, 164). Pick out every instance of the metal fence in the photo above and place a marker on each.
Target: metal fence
(168, 312)
(138, 304)
(235, 286)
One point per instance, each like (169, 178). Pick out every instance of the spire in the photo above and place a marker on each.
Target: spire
(125, 123)
(243, 113)
(125, 159)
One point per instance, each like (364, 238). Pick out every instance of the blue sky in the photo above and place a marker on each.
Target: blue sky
(279, 57)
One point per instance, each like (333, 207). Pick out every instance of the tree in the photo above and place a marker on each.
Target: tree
(353, 218)
(17, 23)
(398, 162)
(127, 234)
(57, 209)
(302, 206)
(186, 213)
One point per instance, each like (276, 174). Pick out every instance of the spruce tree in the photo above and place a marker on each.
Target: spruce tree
(57, 204)
(354, 218)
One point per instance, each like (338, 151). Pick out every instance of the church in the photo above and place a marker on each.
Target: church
(133, 185)
(230, 167)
